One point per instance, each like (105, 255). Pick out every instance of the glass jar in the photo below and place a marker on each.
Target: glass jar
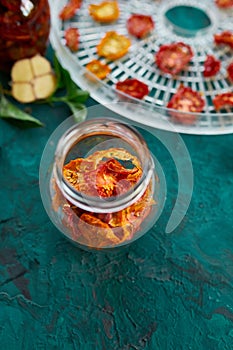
(24, 30)
(102, 190)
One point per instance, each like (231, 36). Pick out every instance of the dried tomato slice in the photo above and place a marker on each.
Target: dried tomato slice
(98, 68)
(186, 100)
(113, 45)
(230, 72)
(225, 37)
(70, 9)
(95, 232)
(105, 12)
(224, 3)
(72, 39)
(140, 25)
(211, 66)
(172, 58)
(223, 100)
(133, 87)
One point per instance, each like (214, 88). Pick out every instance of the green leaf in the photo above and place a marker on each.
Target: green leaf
(79, 111)
(10, 111)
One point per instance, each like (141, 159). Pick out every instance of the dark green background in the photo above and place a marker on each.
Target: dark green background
(166, 291)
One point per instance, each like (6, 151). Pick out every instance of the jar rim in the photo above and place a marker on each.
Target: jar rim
(103, 126)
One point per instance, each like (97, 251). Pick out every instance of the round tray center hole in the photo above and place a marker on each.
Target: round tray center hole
(187, 20)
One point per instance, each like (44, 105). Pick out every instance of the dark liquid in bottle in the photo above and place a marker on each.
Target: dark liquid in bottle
(24, 29)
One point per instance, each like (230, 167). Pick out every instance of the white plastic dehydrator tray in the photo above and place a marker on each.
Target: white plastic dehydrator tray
(139, 63)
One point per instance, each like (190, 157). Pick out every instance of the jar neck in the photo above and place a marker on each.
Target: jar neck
(99, 204)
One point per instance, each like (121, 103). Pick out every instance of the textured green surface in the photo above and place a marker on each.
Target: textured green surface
(167, 291)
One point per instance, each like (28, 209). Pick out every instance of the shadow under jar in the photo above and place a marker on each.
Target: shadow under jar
(103, 187)
(24, 30)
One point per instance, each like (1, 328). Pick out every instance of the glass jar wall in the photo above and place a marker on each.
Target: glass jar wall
(103, 188)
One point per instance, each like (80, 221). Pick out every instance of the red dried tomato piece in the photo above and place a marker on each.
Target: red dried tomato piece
(186, 100)
(211, 66)
(172, 58)
(224, 3)
(133, 87)
(225, 37)
(223, 100)
(70, 9)
(230, 72)
(72, 39)
(140, 25)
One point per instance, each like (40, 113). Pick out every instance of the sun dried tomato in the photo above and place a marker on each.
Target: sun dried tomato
(70, 9)
(230, 72)
(224, 3)
(186, 100)
(223, 100)
(211, 66)
(98, 68)
(172, 58)
(140, 25)
(105, 173)
(72, 39)
(105, 12)
(133, 87)
(96, 177)
(113, 45)
(95, 232)
(225, 37)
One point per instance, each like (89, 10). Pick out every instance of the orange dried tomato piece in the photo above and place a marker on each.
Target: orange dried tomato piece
(70, 9)
(105, 12)
(72, 39)
(113, 45)
(225, 37)
(98, 68)
(224, 3)
(95, 232)
(223, 100)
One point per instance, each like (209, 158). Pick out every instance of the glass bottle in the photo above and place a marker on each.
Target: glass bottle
(103, 190)
(24, 30)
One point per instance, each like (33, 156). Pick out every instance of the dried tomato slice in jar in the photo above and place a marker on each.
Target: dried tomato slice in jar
(223, 100)
(70, 9)
(224, 3)
(225, 37)
(211, 66)
(113, 45)
(72, 39)
(98, 68)
(105, 12)
(186, 100)
(230, 72)
(140, 25)
(133, 87)
(172, 58)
